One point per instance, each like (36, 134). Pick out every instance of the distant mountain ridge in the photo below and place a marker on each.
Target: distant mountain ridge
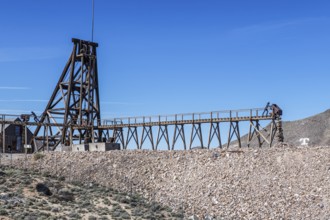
(316, 128)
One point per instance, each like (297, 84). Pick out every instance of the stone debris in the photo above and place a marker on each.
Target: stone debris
(274, 183)
(193, 217)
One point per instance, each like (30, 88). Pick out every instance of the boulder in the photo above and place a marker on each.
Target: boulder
(43, 189)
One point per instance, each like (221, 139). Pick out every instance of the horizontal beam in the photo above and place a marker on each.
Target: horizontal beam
(184, 122)
(113, 126)
(75, 40)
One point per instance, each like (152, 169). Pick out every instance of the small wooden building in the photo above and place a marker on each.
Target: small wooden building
(14, 137)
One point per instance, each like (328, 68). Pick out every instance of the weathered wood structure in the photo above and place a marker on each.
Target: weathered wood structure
(13, 136)
(73, 117)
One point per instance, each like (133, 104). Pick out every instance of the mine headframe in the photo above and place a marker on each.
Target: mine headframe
(74, 107)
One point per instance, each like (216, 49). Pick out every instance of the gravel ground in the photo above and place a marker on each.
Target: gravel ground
(270, 183)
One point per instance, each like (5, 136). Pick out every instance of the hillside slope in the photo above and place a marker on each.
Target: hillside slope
(316, 128)
(29, 195)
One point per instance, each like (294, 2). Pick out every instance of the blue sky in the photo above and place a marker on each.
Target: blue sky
(172, 56)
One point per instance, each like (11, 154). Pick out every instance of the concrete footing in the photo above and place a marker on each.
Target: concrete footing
(100, 147)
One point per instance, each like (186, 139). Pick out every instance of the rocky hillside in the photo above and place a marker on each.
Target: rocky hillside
(316, 128)
(268, 183)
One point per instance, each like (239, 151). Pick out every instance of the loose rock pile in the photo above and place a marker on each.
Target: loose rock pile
(275, 183)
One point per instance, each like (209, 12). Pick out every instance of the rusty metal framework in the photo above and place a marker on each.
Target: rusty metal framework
(74, 103)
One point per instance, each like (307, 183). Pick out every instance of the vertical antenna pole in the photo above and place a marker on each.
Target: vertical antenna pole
(92, 20)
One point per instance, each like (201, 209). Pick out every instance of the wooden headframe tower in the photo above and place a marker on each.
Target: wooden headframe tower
(75, 103)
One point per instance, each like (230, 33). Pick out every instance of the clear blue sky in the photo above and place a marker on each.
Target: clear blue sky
(172, 56)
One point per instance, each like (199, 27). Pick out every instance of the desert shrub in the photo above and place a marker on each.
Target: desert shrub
(86, 204)
(106, 201)
(18, 216)
(2, 173)
(3, 212)
(124, 200)
(133, 204)
(38, 156)
(149, 216)
(12, 181)
(46, 173)
(2, 181)
(26, 181)
(117, 198)
(53, 200)
(90, 209)
(104, 209)
(156, 207)
(115, 206)
(82, 211)
(137, 212)
(76, 183)
(61, 178)
(74, 215)
(47, 208)
(160, 215)
(55, 209)
(125, 215)
(44, 214)
(177, 215)
(65, 195)
(103, 212)
(116, 214)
